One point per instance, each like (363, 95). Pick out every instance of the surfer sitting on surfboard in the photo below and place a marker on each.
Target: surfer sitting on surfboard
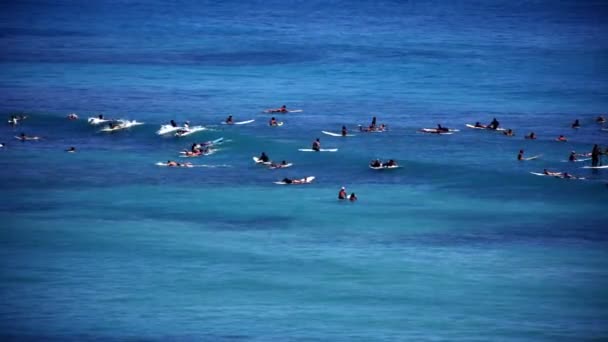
(520, 155)
(352, 197)
(531, 136)
(509, 133)
(576, 124)
(316, 145)
(229, 120)
(273, 122)
(561, 138)
(494, 124)
(390, 163)
(342, 193)
(344, 131)
(375, 163)
(264, 158)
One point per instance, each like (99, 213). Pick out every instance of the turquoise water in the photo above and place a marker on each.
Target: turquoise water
(461, 243)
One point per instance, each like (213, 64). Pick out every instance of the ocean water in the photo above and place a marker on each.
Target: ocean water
(460, 243)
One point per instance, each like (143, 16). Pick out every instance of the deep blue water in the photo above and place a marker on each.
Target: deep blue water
(461, 243)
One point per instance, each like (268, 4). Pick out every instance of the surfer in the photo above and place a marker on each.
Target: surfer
(294, 181)
(595, 155)
(520, 155)
(273, 122)
(441, 129)
(173, 124)
(278, 166)
(509, 133)
(229, 120)
(264, 158)
(600, 119)
(494, 124)
(550, 173)
(531, 136)
(72, 116)
(316, 145)
(561, 138)
(576, 124)
(344, 131)
(342, 193)
(283, 109)
(71, 149)
(372, 126)
(352, 197)
(376, 163)
(390, 163)
(572, 156)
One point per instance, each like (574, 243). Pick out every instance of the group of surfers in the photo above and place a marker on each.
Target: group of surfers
(373, 127)
(263, 158)
(377, 163)
(342, 195)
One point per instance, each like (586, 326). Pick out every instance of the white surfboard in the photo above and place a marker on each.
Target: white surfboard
(188, 131)
(166, 129)
(485, 128)
(280, 166)
(337, 134)
(279, 124)
(180, 165)
(306, 180)
(576, 161)
(533, 157)
(97, 121)
(433, 131)
(259, 161)
(384, 167)
(595, 167)
(238, 122)
(26, 138)
(321, 150)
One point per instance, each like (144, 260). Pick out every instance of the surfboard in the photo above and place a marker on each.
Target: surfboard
(337, 134)
(485, 128)
(306, 180)
(26, 138)
(259, 161)
(279, 124)
(384, 167)
(97, 121)
(238, 122)
(181, 165)
(186, 154)
(576, 161)
(189, 131)
(433, 131)
(166, 129)
(595, 167)
(273, 111)
(321, 150)
(280, 166)
(533, 157)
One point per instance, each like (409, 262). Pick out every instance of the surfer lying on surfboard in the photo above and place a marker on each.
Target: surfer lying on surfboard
(283, 109)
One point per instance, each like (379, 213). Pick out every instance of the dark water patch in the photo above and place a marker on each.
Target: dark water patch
(556, 232)
(8, 32)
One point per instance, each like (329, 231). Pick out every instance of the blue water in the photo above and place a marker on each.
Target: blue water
(461, 243)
